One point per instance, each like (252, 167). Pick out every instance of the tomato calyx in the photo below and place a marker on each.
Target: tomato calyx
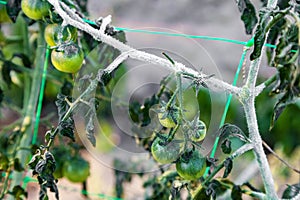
(185, 157)
(196, 129)
(56, 34)
(168, 115)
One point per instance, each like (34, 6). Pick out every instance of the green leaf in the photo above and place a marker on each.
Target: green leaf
(236, 193)
(90, 130)
(248, 15)
(18, 192)
(66, 128)
(201, 195)
(34, 160)
(226, 146)
(288, 79)
(228, 167)
(291, 191)
(1, 96)
(148, 104)
(67, 88)
(45, 168)
(25, 60)
(62, 105)
(13, 8)
(4, 162)
(215, 188)
(134, 111)
(260, 34)
(17, 165)
(230, 130)
(6, 68)
(273, 35)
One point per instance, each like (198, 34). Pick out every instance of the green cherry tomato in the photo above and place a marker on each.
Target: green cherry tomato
(55, 34)
(76, 170)
(35, 9)
(167, 122)
(165, 153)
(199, 133)
(69, 59)
(191, 165)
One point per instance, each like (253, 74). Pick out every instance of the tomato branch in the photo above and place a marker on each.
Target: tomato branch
(237, 153)
(70, 17)
(248, 99)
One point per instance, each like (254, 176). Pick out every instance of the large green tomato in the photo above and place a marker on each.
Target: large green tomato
(165, 153)
(191, 165)
(69, 59)
(35, 9)
(76, 170)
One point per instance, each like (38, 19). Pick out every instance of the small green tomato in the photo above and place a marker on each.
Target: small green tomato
(199, 133)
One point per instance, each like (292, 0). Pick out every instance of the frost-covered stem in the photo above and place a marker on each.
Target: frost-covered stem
(248, 99)
(258, 150)
(70, 17)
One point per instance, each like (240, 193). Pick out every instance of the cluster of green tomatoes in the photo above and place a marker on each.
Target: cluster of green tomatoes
(66, 56)
(190, 163)
(75, 169)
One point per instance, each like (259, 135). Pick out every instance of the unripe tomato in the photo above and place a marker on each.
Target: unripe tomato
(76, 170)
(199, 133)
(167, 122)
(165, 153)
(35, 9)
(69, 59)
(53, 31)
(191, 165)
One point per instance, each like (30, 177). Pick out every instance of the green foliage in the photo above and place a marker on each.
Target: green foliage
(13, 8)
(18, 192)
(236, 193)
(43, 165)
(66, 125)
(228, 164)
(291, 191)
(248, 15)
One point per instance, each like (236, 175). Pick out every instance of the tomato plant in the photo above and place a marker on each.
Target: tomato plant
(89, 57)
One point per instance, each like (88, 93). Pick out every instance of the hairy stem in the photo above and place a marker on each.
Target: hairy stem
(248, 99)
